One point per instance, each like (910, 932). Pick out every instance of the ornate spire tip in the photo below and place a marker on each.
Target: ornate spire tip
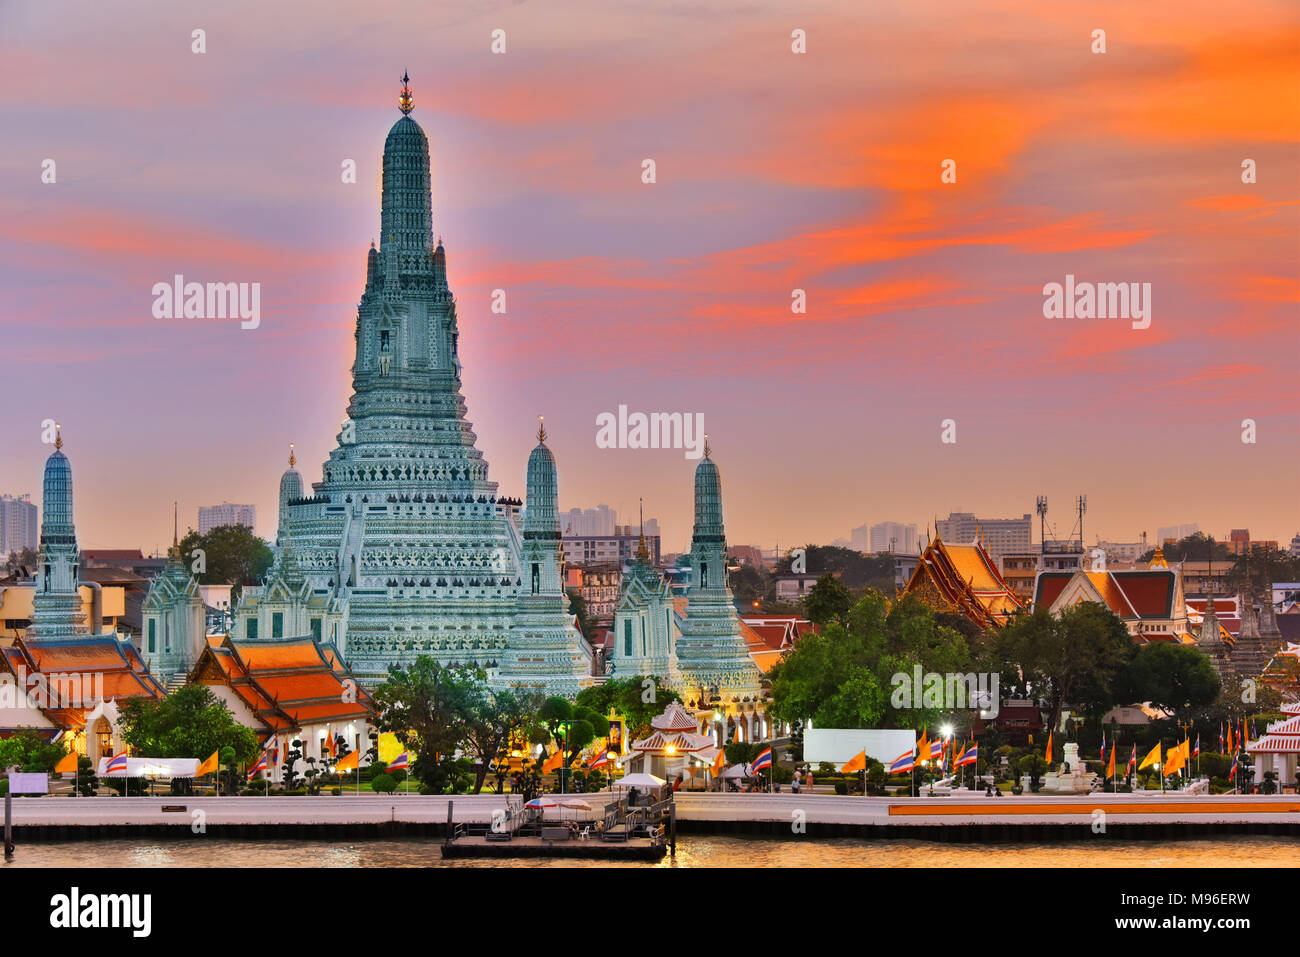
(406, 101)
(541, 429)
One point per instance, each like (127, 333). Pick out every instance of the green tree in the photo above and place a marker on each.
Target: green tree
(191, 722)
(232, 555)
(31, 751)
(492, 719)
(638, 699)
(828, 601)
(425, 705)
(1074, 658)
(843, 676)
(1171, 676)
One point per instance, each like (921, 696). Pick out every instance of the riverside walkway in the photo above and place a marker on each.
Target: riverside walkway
(957, 816)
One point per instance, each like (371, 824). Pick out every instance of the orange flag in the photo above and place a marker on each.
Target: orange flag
(856, 763)
(923, 746)
(553, 762)
(67, 764)
(348, 762)
(207, 767)
(719, 762)
(1049, 747)
(1231, 746)
(1110, 771)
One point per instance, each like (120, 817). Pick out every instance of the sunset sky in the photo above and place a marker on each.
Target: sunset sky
(775, 170)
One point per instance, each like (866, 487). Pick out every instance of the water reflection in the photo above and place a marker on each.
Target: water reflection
(692, 851)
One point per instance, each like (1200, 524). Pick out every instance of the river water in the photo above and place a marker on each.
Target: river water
(692, 851)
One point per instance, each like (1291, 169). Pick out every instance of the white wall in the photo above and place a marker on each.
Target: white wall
(837, 745)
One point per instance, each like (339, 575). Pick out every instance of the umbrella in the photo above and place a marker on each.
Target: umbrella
(736, 771)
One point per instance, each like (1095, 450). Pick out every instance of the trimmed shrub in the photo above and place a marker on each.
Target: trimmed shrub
(383, 784)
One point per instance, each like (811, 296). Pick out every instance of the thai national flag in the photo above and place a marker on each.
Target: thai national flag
(259, 767)
(401, 763)
(936, 749)
(903, 763)
(1132, 760)
(116, 764)
(1232, 775)
(600, 760)
(1196, 751)
(971, 756)
(1223, 747)
(764, 760)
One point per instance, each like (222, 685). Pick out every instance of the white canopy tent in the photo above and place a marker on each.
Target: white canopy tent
(152, 768)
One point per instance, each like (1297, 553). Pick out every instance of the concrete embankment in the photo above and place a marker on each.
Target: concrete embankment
(953, 818)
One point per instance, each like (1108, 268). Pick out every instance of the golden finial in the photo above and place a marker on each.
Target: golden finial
(292, 460)
(406, 101)
(707, 450)
(58, 436)
(541, 429)
(642, 553)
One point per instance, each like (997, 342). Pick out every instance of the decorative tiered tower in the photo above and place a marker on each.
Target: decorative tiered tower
(405, 545)
(290, 490)
(545, 651)
(710, 651)
(56, 606)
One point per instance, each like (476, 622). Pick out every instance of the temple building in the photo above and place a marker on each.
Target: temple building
(646, 622)
(288, 689)
(65, 676)
(406, 547)
(964, 580)
(1149, 601)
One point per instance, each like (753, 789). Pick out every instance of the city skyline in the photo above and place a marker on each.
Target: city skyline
(924, 299)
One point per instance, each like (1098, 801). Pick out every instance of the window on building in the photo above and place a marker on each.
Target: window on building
(277, 624)
(250, 628)
(627, 637)
(153, 635)
(704, 574)
(167, 636)
(315, 628)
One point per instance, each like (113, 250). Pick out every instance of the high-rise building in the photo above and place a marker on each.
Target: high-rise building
(596, 521)
(1239, 541)
(1175, 533)
(893, 537)
(1000, 536)
(214, 516)
(18, 524)
(860, 539)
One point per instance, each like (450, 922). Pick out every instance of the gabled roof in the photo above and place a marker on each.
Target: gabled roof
(98, 666)
(286, 682)
(1132, 595)
(964, 579)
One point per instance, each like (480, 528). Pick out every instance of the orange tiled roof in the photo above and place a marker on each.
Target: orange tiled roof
(964, 579)
(286, 682)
